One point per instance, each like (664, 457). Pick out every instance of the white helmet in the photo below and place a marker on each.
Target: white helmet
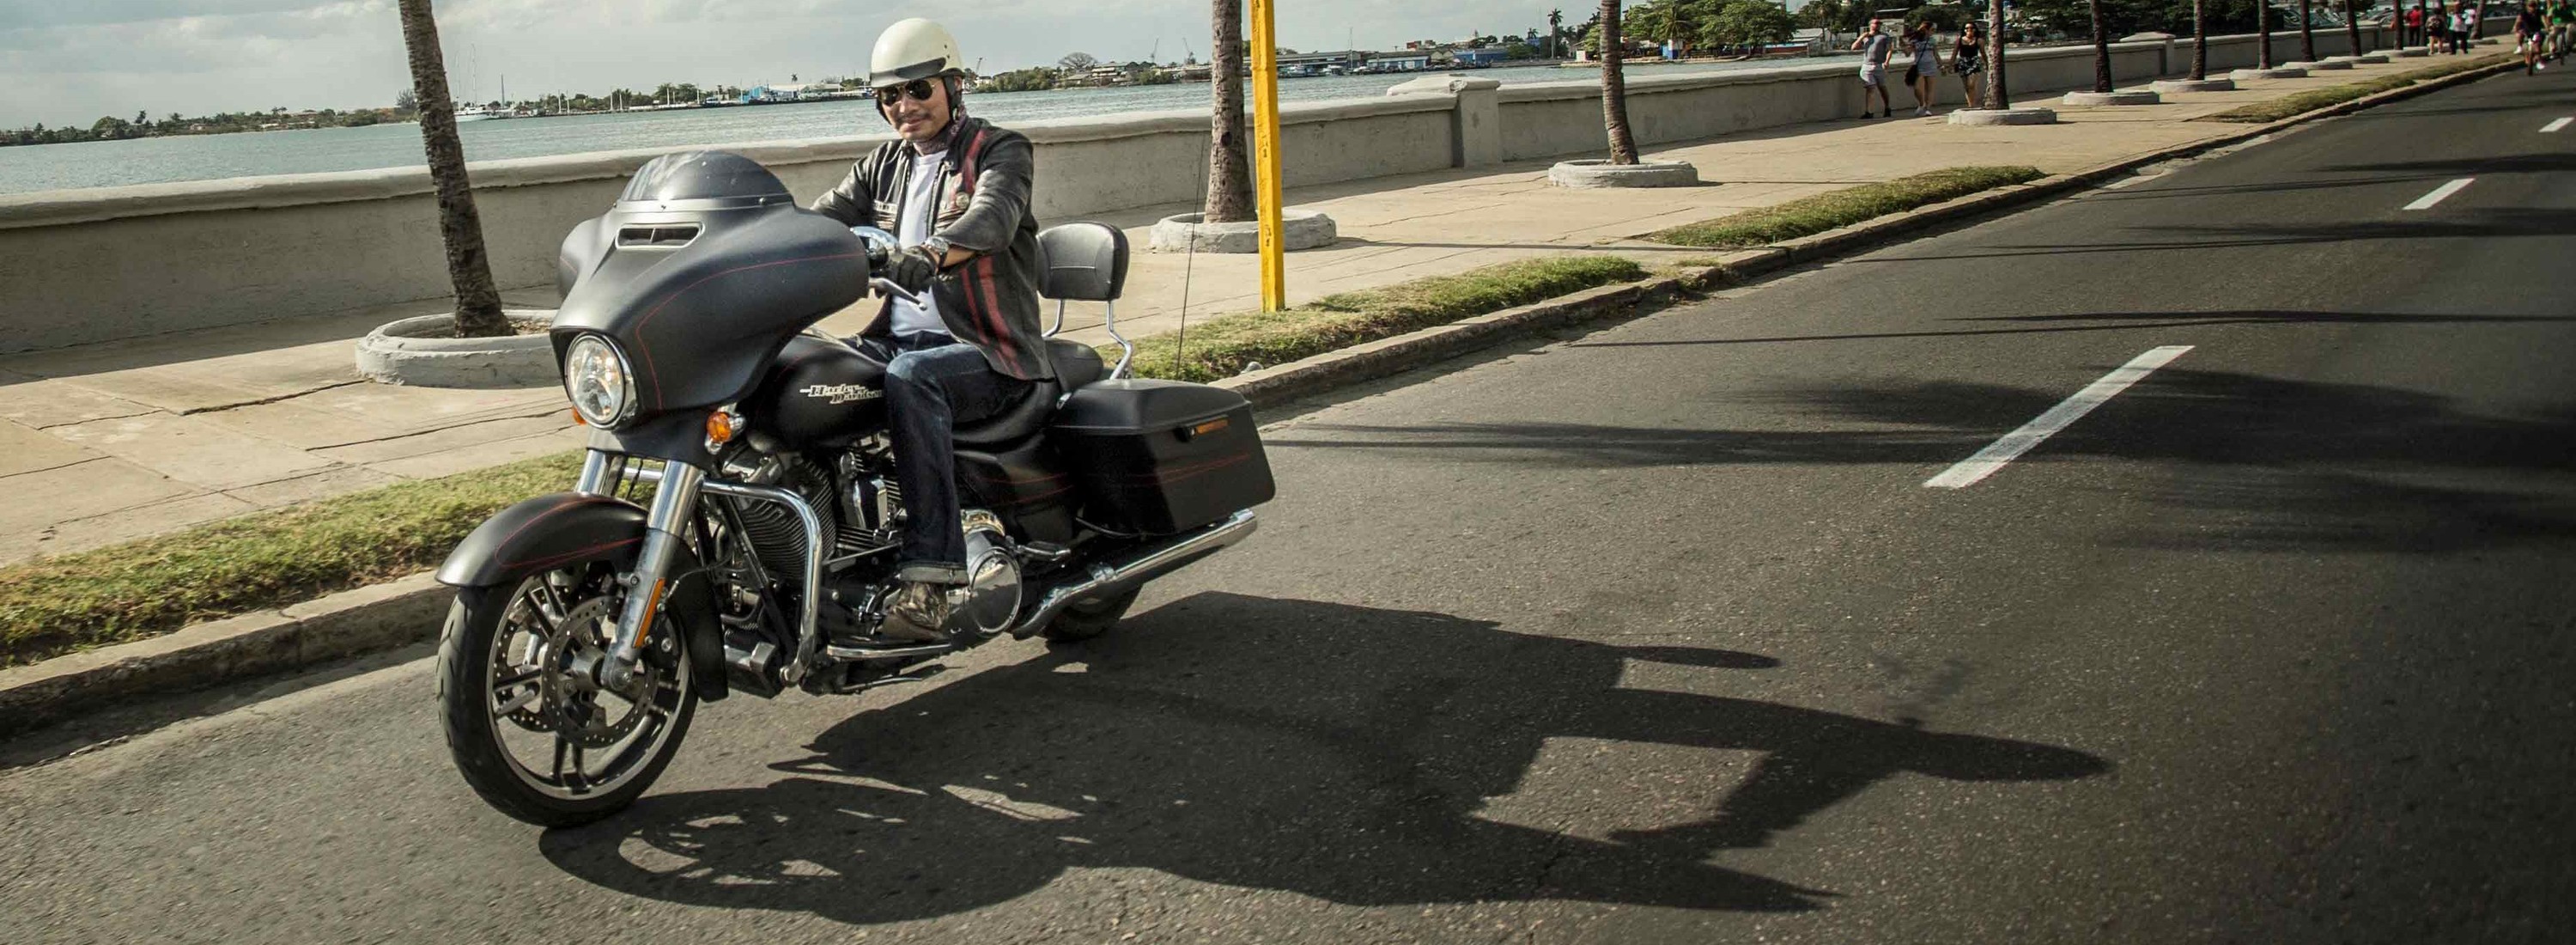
(913, 49)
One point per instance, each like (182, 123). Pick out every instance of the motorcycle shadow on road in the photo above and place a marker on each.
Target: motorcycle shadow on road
(1335, 751)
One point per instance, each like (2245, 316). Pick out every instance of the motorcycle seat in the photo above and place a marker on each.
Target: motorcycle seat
(1076, 364)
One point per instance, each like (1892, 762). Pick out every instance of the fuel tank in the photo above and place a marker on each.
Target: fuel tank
(821, 392)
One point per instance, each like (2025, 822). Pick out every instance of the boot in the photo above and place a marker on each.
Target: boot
(918, 612)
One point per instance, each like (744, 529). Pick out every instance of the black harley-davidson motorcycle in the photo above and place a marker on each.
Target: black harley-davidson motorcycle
(736, 519)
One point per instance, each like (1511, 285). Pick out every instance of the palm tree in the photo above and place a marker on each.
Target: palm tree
(2199, 40)
(1556, 33)
(2352, 26)
(1229, 196)
(478, 303)
(1614, 88)
(2101, 51)
(2307, 31)
(1995, 97)
(2263, 25)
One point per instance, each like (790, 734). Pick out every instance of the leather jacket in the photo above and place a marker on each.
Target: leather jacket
(990, 301)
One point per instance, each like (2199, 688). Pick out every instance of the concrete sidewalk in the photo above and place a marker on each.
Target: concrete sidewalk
(108, 442)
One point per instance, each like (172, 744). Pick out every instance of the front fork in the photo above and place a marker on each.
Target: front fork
(675, 505)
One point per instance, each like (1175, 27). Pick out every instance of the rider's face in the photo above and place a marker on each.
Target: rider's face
(918, 120)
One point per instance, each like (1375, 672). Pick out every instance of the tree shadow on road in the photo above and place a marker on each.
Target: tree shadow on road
(2280, 463)
(2112, 321)
(2464, 223)
(1340, 752)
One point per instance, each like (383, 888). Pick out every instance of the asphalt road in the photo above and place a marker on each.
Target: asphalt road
(1655, 635)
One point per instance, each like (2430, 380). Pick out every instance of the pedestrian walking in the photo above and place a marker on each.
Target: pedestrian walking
(2437, 30)
(1967, 59)
(2465, 27)
(1874, 45)
(2411, 24)
(1926, 67)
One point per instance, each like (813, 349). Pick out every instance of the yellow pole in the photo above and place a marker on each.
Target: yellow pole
(1265, 160)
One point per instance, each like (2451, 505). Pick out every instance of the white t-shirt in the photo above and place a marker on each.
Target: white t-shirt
(920, 204)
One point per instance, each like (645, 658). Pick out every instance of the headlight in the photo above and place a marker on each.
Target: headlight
(595, 375)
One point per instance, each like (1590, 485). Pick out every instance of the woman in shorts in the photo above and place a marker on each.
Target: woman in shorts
(1968, 60)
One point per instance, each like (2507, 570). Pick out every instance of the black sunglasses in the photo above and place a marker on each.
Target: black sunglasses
(917, 90)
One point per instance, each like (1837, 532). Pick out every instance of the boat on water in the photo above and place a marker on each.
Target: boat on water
(478, 113)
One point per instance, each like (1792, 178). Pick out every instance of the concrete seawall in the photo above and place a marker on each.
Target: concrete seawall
(101, 264)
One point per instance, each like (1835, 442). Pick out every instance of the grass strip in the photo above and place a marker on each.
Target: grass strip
(2301, 103)
(52, 606)
(1807, 216)
(1222, 347)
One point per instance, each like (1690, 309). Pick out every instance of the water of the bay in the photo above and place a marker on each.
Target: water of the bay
(211, 157)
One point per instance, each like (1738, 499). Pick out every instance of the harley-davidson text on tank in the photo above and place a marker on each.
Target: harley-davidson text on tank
(841, 393)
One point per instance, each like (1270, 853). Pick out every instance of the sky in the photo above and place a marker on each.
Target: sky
(69, 62)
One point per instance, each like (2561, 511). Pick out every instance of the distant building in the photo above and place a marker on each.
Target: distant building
(1478, 57)
(1400, 62)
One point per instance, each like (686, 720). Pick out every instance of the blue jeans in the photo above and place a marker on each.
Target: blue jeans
(933, 383)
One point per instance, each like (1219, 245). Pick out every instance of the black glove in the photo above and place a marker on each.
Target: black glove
(912, 269)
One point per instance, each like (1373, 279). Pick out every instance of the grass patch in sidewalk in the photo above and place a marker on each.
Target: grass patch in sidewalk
(2301, 103)
(1223, 346)
(52, 606)
(1807, 216)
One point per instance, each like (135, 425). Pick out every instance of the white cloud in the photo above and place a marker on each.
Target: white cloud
(70, 61)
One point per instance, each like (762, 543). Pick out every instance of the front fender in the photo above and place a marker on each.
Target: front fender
(548, 531)
(551, 531)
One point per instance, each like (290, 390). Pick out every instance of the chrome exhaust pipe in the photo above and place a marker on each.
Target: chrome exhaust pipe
(1109, 577)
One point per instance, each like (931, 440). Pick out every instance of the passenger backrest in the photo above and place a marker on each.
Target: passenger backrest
(1085, 262)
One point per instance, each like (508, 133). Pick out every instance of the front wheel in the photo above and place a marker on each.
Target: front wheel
(528, 724)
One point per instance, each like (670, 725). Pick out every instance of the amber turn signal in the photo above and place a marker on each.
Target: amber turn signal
(720, 428)
(576, 418)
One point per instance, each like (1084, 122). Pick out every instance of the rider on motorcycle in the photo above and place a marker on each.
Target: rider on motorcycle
(955, 189)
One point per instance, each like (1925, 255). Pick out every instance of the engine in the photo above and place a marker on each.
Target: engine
(859, 505)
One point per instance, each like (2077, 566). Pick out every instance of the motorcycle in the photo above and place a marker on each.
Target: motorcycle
(736, 518)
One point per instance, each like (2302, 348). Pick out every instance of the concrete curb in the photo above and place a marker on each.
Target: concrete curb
(349, 623)
(410, 610)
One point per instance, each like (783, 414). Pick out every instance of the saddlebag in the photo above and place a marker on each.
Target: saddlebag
(1161, 457)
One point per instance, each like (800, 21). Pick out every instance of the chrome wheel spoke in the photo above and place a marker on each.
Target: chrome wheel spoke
(525, 698)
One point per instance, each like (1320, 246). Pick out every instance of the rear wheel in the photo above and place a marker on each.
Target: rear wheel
(528, 724)
(1084, 620)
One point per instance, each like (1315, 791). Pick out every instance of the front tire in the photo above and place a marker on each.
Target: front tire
(509, 683)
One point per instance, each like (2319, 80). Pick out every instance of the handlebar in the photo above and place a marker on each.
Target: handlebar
(886, 287)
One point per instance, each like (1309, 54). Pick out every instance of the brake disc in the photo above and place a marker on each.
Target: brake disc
(569, 690)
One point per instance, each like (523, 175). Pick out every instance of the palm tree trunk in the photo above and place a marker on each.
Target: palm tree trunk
(2307, 31)
(1995, 97)
(2101, 51)
(469, 268)
(2352, 26)
(1614, 88)
(2199, 40)
(1229, 195)
(2263, 25)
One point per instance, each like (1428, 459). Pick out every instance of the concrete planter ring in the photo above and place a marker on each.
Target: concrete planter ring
(1602, 173)
(425, 352)
(2170, 86)
(2003, 116)
(1302, 229)
(2283, 72)
(2113, 98)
